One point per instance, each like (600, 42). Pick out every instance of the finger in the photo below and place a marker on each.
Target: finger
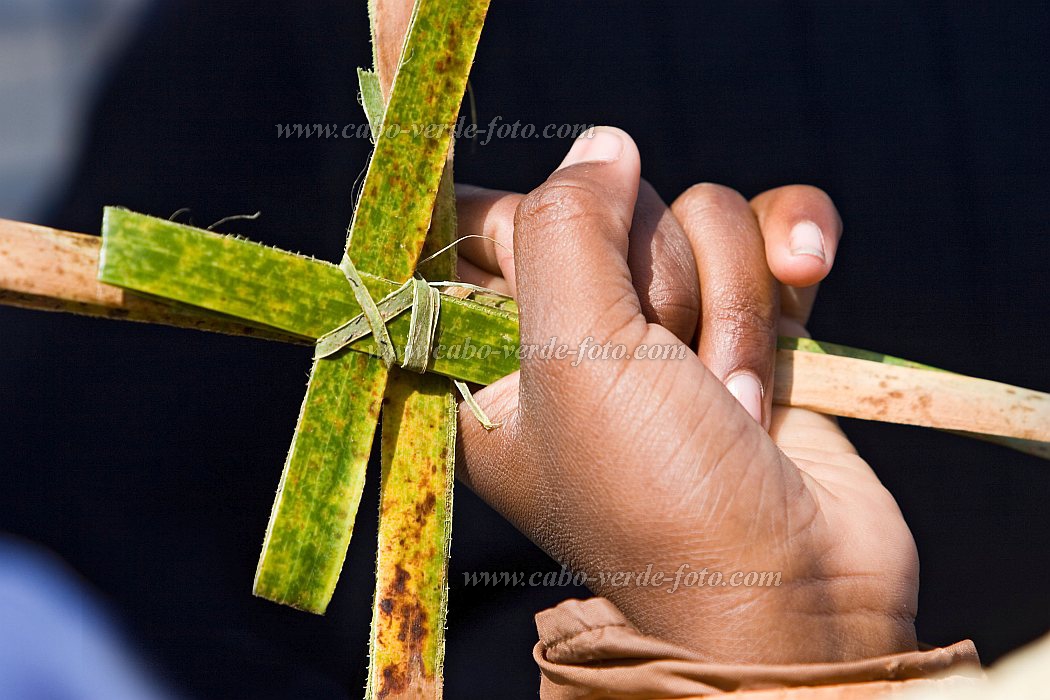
(659, 257)
(471, 274)
(571, 246)
(488, 213)
(571, 240)
(662, 266)
(738, 294)
(802, 230)
(570, 252)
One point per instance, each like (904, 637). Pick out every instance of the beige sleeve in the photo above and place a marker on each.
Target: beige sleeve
(588, 650)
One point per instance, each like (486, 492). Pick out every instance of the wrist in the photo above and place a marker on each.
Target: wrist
(772, 617)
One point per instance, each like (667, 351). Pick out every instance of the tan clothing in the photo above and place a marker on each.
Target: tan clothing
(588, 650)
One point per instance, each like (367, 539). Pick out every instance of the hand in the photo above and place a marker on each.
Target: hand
(611, 465)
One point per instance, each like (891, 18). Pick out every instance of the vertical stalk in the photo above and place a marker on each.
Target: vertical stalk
(407, 644)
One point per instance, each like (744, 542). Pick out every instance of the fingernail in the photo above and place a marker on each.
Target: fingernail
(748, 391)
(807, 239)
(596, 145)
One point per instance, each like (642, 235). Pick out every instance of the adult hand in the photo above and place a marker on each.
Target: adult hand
(612, 465)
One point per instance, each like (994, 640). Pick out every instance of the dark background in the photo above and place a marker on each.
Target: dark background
(147, 457)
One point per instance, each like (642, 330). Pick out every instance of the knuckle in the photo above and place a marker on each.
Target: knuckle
(558, 202)
(742, 318)
(705, 196)
(671, 304)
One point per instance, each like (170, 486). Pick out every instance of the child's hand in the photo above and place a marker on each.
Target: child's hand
(612, 464)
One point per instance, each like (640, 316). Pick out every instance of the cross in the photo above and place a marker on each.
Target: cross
(185, 276)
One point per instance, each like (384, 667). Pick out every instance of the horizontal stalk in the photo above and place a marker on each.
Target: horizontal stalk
(52, 270)
(292, 293)
(301, 303)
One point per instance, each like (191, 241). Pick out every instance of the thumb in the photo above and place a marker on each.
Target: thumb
(573, 282)
(570, 252)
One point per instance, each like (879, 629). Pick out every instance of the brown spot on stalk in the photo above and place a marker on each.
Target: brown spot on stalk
(410, 618)
(400, 578)
(413, 626)
(394, 681)
(878, 403)
(425, 508)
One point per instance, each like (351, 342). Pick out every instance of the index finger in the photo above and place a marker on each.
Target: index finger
(801, 228)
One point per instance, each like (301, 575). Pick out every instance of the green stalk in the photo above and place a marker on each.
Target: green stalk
(825, 348)
(299, 296)
(415, 517)
(320, 489)
(418, 447)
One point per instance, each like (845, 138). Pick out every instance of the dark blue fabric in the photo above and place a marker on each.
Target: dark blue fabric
(56, 643)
